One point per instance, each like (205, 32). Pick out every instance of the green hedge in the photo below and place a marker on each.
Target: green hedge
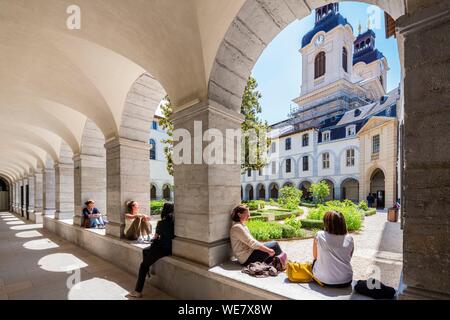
(255, 204)
(263, 231)
(353, 215)
(156, 206)
(312, 224)
(370, 212)
(259, 218)
(308, 205)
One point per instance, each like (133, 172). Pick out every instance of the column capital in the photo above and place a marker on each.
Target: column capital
(119, 141)
(211, 106)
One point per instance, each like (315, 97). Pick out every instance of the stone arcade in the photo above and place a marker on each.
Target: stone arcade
(76, 107)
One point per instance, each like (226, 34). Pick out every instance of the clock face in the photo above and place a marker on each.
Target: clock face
(320, 40)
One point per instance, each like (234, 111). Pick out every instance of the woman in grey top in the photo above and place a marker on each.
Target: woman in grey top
(332, 251)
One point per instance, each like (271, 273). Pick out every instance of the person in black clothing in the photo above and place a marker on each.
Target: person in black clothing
(161, 247)
(370, 200)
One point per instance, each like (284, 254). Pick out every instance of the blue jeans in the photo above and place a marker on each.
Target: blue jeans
(97, 222)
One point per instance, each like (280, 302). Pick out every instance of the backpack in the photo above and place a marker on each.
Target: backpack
(279, 262)
(369, 289)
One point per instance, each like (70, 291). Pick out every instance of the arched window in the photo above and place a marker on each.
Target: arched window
(344, 59)
(152, 149)
(319, 65)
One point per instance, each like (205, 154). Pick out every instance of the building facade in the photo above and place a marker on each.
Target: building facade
(344, 128)
(161, 181)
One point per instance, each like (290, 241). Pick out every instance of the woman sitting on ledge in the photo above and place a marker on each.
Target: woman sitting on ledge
(246, 248)
(137, 225)
(333, 251)
(161, 247)
(92, 216)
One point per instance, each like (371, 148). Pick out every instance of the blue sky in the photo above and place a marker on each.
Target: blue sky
(278, 70)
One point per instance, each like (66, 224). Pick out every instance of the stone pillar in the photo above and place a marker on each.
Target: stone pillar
(21, 198)
(16, 196)
(13, 198)
(38, 197)
(89, 183)
(49, 201)
(64, 191)
(205, 193)
(425, 35)
(127, 178)
(24, 203)
(31, 195)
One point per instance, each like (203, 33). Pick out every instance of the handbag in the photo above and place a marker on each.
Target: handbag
(383, 292)
(279, 262)
(300, 272)
(86, 223)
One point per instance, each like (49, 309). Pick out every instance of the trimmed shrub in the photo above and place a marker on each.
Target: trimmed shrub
(320, 191)
(363, 205)
(255, 204)
(370, 212)
(290, 197)
(259, 218)
(312, 224)
(308, 205)
(288, 231)
(352, 214)
(263, 231)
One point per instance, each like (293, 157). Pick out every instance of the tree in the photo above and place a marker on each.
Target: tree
(253, 158)
(290, 197)
(320, 191)
(167, 125)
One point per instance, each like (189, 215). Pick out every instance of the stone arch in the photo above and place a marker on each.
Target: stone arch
(261, 191)
(255, 25)
(167, 192)
(249, 192)
(274, 190)
(153, 192)
(304, 186)
(331, 184)
(288, 183)
(350, 189)
(377, 186)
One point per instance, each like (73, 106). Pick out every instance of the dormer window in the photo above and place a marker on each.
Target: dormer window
(357, 113)
(351, 131)
(326, 135)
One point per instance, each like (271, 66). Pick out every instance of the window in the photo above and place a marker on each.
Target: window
(376, 144)
(319, 65)
(260, 172)
(344, 59)
(152, 149)
(274, 147)
(288, 143)
(326, 160)
(351, 131)
(154, 125)
(249, 173)
(288, 166)
(325, 136)
(305, 163)
(274, 167)
(350, 157)
(305, 140)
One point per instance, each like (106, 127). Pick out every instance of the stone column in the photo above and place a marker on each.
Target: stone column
(205, 193)
(90, 183)
(127, 178)
(49, 201)
(31, 195)
(38, 197)
(64, 191)
(426, 206)
(21, 198)
(24, 203)
(13, 197)
(16, 196)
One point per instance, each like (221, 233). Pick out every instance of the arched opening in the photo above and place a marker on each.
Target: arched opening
(167, 192)
(331, 187)
(377, 188)
(273, 191)
(153, 195)
(288, 184)
(350, 190)
(261, 192)
(4, 195)
(306, 194)
(249, 192)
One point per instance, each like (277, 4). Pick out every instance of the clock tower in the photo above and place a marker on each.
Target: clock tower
(327, 50)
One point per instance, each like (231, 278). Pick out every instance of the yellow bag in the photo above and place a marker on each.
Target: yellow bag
(300, 272)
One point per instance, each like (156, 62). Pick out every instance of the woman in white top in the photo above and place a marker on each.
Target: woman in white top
(332, 251)
(137, 225)
(245, 247)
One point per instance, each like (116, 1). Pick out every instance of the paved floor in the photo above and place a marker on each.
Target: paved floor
(38, 265)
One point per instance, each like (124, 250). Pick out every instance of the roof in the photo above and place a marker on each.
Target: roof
(325, 25)
(368, 56)
(370, 109)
